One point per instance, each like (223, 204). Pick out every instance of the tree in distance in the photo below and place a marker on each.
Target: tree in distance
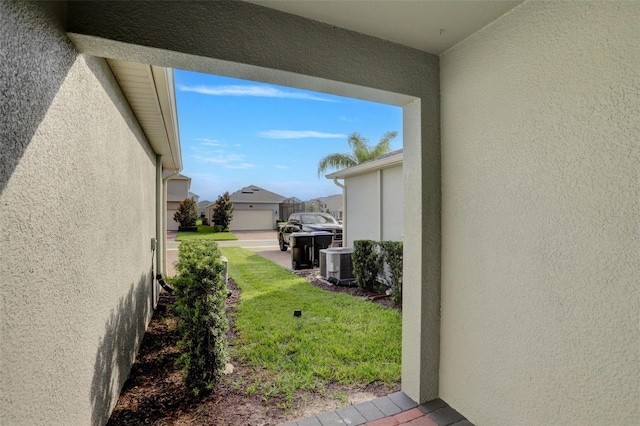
(187, 213)
(223, 211)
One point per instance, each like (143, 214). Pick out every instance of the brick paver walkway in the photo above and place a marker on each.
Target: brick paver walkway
(393, 410)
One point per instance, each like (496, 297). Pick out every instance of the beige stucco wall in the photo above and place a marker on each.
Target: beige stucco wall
(375, 203)
(541, 202)
(77, 214)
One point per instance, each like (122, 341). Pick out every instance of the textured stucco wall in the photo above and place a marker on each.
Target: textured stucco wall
(248, 41)
(76, 217)
(541, 213)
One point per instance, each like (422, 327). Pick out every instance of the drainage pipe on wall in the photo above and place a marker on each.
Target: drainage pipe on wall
(160, 246)
(344, 211)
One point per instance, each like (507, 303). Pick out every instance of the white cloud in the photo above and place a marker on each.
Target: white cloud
(210, 142)
(227, 161)
(220, 159)
(256, 91)
(241, 166)
(278, 166)
(298, 134)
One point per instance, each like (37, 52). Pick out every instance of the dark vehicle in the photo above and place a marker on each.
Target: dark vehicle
(309, 222)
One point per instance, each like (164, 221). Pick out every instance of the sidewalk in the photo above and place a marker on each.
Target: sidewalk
(392, 410)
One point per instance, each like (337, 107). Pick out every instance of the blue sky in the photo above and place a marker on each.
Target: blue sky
(236, 133)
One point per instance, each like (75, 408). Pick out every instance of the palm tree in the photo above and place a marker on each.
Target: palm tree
(361, 152)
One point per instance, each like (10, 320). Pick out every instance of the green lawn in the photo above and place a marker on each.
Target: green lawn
(338, 338)
(205, 233)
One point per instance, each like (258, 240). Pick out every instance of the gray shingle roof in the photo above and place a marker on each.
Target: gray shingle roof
(255, 194)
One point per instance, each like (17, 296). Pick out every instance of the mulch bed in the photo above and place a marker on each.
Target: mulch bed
(154, 393)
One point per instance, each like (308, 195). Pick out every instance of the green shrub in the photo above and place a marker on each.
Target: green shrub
(187, 213)
(366, 264)
(391, 254)
(200, 306)
(223, 211)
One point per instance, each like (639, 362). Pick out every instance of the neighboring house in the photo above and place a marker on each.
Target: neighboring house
(194, 197)
(202, 207)
(315, 205)
(177, 190)
(254, 208)
(331, 204)
(335, 205)
(373, 196)
(521, 197)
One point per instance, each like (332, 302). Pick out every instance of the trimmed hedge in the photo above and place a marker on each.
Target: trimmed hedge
(188, 228)
(366, 264)
(200, 293)
(376, 264)
(391, 254)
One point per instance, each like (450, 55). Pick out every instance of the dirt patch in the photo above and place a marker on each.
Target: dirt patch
(154, 393)
(313, 276)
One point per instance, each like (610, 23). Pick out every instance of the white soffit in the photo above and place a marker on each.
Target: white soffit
(150, 93)
(430, 26)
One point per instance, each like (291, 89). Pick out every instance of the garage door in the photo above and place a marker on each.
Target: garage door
(251, 220)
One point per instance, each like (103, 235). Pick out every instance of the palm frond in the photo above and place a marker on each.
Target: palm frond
(335, 161)
(361, 152)
(384, 146)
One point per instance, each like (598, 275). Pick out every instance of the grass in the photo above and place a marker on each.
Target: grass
(338, 338)
(205, 233)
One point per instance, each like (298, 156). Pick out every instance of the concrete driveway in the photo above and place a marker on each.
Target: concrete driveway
(263, 243)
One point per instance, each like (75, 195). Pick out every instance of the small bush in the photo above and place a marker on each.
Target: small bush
(188, 228)
(391, 254)
(200, 306)
(366, 264)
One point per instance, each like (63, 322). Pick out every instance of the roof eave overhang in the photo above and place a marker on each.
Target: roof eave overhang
(165, 89)
(369, 166)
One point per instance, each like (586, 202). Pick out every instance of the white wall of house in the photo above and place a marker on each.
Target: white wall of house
(77, 213)
(540, 160)
(375, 206)
(392, 202)
(363, 208)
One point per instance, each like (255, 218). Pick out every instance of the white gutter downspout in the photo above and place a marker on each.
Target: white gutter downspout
(160, 245)
(344, 211)
(164, 220)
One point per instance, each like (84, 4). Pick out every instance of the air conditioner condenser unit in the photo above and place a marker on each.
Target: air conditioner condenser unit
(337, 263)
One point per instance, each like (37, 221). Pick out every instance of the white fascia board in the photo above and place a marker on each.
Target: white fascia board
(369, 166)
(165, 89)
